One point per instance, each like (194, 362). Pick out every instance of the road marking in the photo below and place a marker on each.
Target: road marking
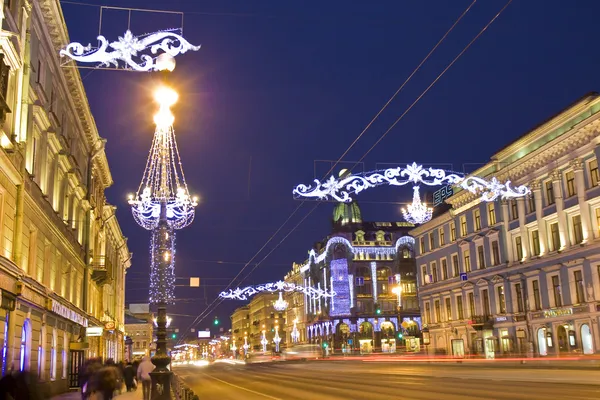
(243, 388)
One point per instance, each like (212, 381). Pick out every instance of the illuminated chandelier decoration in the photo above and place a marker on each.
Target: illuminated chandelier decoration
(280, 304)
(417, 212)
(341, 189)
(162, 203)
(249, 291)
(127, 51)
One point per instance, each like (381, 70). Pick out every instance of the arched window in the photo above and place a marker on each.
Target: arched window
(5, 345)
(53, 355)
(40, 355)
(25, 345)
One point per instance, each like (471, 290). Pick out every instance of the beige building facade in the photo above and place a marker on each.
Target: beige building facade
(63, 256)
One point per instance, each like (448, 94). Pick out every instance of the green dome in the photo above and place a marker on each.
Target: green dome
(347, 213)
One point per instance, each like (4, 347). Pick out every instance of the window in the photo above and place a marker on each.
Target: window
(491, 214)
(463, 225)
(452, 232)
(594, 176)
(549, 193)
(467, 259)
(556, 291)
(531, 203)
(434, 271)
(431, 241)
(598, 218)
(519, 292)
(23, 348)
(444, 269)
(438, 311)
(442, 237)
(53, 356)
(501, 300)
(459, 307)
(519, 248)
(477, 218)
(5, 345)
(448, 309)
(578, 278)
(427, 313)
(577, 229)
(480, 257)
(485, 296)
(455, 266)
(535, 242)
(570, 183)
(422, 243)
(471, 304)
(514, 210)
(554, 236)
(424, 274)
(536, 295)
(64, 355)
(40, 363)
(495, 252)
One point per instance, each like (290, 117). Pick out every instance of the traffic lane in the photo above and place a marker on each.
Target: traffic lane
(331, 381)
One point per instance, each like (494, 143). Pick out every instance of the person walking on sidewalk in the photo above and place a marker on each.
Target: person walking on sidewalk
(143, 376)
(128, 376)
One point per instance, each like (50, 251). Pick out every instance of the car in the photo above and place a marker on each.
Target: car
(302, 352)
(259, 357)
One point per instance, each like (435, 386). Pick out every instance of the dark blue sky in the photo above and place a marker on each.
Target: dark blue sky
(286, 83)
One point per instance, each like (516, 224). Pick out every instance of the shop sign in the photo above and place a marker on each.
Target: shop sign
(93, 331)
(501, 319)
(561, 312)
(109, 326)
(69, 314)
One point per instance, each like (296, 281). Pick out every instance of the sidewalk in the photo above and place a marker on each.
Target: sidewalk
(124, 396)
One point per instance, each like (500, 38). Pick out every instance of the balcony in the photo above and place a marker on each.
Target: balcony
(481, 322)
(102, 272)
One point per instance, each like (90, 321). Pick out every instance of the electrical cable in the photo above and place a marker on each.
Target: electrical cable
(208, 309)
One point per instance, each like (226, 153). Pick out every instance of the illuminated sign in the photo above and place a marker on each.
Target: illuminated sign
(203, 334)
(558, 313)
(109, 326)
(69, 314)
(93, 331)
(440, 195)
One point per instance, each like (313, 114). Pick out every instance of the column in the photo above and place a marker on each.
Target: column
(560, 209)
(523, 229)
(508, 251)
(536, 187)
(586, 223)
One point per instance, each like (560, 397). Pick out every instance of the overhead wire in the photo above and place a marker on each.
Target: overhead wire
(218, 300)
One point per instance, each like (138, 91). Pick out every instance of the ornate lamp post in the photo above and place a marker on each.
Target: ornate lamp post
(276, 339)
(161, 205)
(264, 340)
(245, 344)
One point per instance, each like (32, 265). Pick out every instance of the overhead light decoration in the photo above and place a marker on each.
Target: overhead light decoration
(127, 52)
(280, 286)
(169, 319)
(280, 304)
(417, 212)
(341, 189)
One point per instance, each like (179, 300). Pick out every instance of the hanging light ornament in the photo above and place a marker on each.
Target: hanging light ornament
(417, 213)
(280, 304)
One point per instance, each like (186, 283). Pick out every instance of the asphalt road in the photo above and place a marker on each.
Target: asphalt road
(357, 380)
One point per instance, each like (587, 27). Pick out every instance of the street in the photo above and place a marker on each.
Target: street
(355, 379)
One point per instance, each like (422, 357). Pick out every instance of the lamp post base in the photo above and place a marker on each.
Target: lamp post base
(161, 385)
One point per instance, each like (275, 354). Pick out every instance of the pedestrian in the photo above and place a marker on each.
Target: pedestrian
(86, 371)
(128, 376)
(143, 376)
(104, 383)
(20, 386)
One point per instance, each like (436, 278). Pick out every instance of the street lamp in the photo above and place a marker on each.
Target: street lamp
(162, 205)
(245, 344)
(264, 341)
(277, 339)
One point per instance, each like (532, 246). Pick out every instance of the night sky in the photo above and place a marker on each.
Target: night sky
(279, 85)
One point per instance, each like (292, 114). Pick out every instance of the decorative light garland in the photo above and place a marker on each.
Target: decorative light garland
(340, 284)
(280, 304)
(280, 286)
(341, 189)
(128, 48)
(417, 213)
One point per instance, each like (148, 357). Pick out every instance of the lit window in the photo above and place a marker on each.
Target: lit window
(452, 232)
(570, 183)
(594, 176)
(467, 259)
(577, 229)
(549, 193)
(463, 225)
(477, 217)
(491, 214)
(442, 237)
(535, 242)
(519, 248)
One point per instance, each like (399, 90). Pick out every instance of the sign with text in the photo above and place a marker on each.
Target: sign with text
(440, 195)
(203, 334)
(69, 314)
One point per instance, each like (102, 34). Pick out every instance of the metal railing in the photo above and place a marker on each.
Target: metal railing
(180, 390)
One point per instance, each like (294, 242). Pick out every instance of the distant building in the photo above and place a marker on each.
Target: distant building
(140, 329)
(295, 327)
(371, 268)
(521, 276)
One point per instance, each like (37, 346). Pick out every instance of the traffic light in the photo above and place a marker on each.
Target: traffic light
(377, 309)
(325, 345)
(399, 335)
(174, 336)
(216, 321)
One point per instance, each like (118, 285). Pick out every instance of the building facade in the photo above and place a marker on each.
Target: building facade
(521, 276)
(62, 254)
(371, 268)
(140, 331)
(295, 326)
